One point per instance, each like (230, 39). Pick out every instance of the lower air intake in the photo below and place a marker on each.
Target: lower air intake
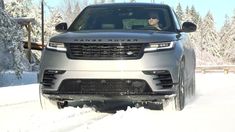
(104, 86)
(162, 78)
(49, 76)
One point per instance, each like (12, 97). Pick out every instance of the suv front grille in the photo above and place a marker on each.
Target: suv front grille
(100, 51)
(104, 86)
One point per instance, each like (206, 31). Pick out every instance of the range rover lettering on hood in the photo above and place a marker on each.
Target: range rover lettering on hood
(106, 40)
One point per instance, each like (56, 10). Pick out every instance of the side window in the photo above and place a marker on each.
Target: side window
(177, 21)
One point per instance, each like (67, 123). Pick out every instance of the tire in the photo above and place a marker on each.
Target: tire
(193, 86)
(177, 103)
(180, 93)
(46, 103)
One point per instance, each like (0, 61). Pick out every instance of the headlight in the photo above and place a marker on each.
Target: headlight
(159, 46)
(56, 46)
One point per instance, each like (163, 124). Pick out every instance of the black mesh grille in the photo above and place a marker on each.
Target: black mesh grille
(49, 76)
(48, 79)
(104, 51)
(105, 86)
(163, 78)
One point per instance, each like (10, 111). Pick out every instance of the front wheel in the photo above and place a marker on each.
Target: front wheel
(177, 103)
(193, 86)
(180, 93)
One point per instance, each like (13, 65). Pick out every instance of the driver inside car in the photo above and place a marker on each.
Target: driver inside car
(153, 21)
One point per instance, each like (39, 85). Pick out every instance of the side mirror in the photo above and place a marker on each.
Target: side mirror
(62, 27)
(189, 27)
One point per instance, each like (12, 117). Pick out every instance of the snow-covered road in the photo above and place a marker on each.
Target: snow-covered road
(213, 110)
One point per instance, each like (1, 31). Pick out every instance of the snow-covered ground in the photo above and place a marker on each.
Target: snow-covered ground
(213, 110)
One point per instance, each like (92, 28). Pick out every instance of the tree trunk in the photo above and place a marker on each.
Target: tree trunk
(2, 4)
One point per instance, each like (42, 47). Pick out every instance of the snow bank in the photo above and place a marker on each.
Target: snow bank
(10, 79)
(18, 94)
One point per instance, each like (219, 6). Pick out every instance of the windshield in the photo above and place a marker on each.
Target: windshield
(124, 18)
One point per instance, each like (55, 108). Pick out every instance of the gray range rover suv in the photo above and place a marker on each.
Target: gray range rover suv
(112, 53)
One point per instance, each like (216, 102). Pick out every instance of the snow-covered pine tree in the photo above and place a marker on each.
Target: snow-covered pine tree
(26, 8)
(210, 40)
(54, 19)
(191, 15)
(18, 8)
(11, 47)
(194, 37)
(187, 16)
(211, 47)
(195, 17)
(233, 27)
(179, 12)
(226, 41)
(70, 10)
(231, 39)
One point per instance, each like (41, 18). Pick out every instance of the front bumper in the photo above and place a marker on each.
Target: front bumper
(111, 69)
(100, 98)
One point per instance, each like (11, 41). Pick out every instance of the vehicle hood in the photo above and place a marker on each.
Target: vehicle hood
(115, 37)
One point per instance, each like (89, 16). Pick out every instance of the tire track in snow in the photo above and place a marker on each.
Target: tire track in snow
(29, 116)
(83, 120)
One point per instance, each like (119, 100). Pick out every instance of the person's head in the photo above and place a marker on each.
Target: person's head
(153, 19)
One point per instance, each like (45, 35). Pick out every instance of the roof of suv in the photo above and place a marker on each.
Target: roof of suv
(129, 4)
